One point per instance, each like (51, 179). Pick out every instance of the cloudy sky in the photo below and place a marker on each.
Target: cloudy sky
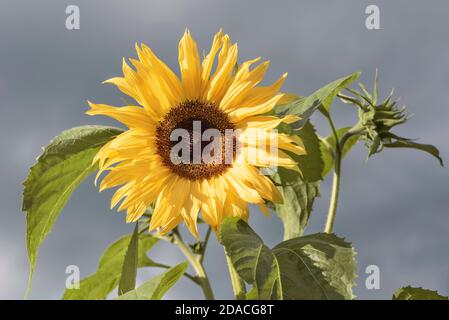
(394, 207)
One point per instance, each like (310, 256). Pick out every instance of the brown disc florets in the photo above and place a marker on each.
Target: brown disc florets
(188, 116)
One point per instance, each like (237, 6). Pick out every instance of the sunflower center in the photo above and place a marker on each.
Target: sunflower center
(195, 140)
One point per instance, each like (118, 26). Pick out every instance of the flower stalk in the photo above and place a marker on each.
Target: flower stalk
(338, 156)
(336, 180)
(195, 261)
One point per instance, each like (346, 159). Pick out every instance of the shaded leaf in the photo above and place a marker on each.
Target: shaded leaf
(430, 149)
(299, 190)
(299, 197)
(252, 259)
(63, 165)
(323, 97)
(318, 267)
(311, 164)
(129, 269)
(410, 293)
(107, 276)
(155, 288)
(329, 142)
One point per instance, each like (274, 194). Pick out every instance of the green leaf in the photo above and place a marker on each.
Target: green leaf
(252, 259)
(155, 288)
(107, 276)
(317, 266)
(328, 146)
(299, 196)
(323, 97)
(129, 269)
(410, 293)
(63, 165)
(299, 190)
(310, 164)
(432, 150)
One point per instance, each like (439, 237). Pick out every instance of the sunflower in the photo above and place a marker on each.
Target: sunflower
(221, 95)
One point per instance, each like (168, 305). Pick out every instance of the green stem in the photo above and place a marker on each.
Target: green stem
(334, 195)
(339, 145)
(206, 241)
(237, 283)
(196, 264)
(335, 180)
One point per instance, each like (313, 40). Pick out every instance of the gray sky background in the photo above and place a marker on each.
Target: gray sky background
(394, 208)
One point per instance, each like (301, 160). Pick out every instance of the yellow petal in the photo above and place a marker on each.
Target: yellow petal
(170, 78)
(244, 81)
(191, 208)
(222, 78)
(288, 97)
(235, 206)
(265, 122)
(258, 182)
(261, 94)
(208, 62)
(241, 187)
(189, 62)
(260, 157)
(241, 113)
(212, 201)
(131, 116)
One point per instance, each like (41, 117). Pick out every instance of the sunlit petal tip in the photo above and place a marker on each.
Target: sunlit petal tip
(161, 232)
(194, 233)
(153, 226)
(249, 62)
(125, 66)
(131, 218)
(97, 176)
(103, 185)
(146, 48)
(109, 81)
(134, 62)
(91, 106)
(291, 118)
(186, 33)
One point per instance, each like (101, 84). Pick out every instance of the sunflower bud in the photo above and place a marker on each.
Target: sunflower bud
(378, 119)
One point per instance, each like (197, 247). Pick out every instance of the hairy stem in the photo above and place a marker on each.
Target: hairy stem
(338, 156)
(194, 260)
(238, 285)
(335, 180)
(334, 195)
(206, 241)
